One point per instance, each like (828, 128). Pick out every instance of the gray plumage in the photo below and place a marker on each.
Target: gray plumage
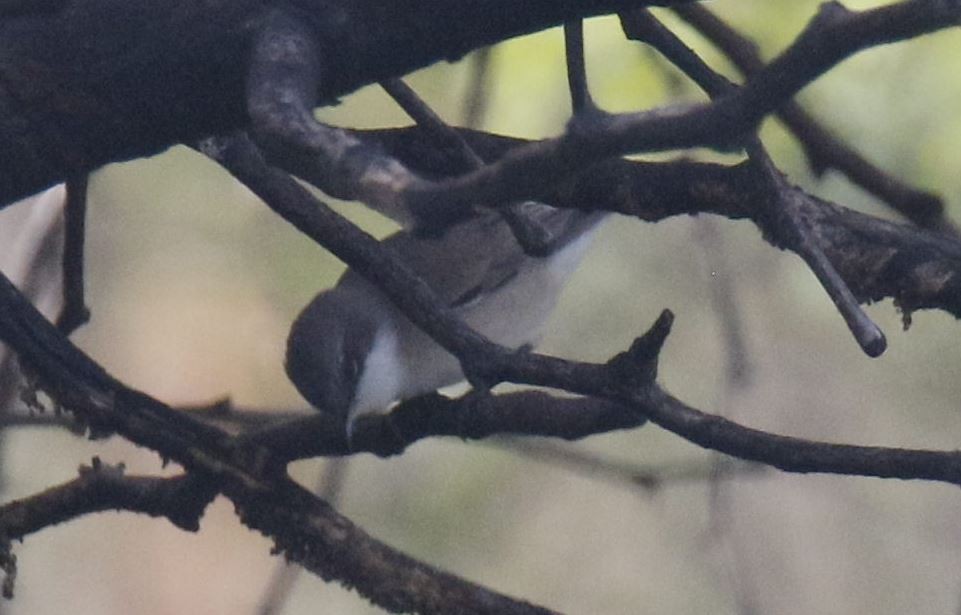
(351, 352)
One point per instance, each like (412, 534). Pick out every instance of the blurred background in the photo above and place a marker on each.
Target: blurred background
(193, 284)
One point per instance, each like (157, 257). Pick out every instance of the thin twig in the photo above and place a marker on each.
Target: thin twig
(627, 379)
(303, 527)
(779, 213)
(824, 151)
(100, 487)
(74, 313)
(581, 100)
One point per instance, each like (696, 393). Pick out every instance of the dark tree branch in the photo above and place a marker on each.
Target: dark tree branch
(303, 527)
(798, 455)
(74, 313)
(285, 575)
(107, 80)
(777, 213)
(785, 221)
(822, 149)
(581, 101)
(628, 379)
(530, 413)
(877, 259)
(181, 499)
(450, 142)
(831, 37)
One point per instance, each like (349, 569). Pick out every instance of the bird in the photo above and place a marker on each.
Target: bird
(351, 352)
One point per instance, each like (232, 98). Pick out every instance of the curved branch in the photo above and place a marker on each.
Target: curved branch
(876, 258)
(305, 528)
(108, 80)
(531, 171)
(526, 413)
(181, 499)
(823, 150)
(627, 379)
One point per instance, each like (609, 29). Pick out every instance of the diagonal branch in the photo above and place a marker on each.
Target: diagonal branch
(74, 313)
(777, 214)
(876, 258)
(628, 379)
(303, 527)
(525, 413)
(530, 171)
(181, 499)
(823, 150)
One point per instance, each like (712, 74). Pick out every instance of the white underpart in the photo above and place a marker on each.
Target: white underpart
(381, 375)
(404, 363)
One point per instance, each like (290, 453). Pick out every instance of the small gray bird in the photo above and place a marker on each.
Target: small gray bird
(351, 352)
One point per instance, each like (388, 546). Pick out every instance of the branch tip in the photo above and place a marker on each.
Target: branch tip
(638, 365)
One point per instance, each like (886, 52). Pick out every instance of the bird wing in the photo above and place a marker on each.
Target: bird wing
(478, 255)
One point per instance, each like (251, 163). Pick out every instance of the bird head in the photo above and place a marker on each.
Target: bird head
(327, 349)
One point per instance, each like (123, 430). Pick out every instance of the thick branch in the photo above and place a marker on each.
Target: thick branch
(99, 81)
(530, 413)
(823, 150)
(530, 171)
(181, 499)
(628, 378)
(876, 258)
(306, 529)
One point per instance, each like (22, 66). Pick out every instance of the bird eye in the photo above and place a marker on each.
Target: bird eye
(352, 367)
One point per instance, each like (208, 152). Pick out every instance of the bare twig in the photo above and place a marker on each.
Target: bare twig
(303, 527)
(823, 150)
(778, 214)
(181, 500)
(74, 312)
(448, 140)
(627, 379)
(581, 101)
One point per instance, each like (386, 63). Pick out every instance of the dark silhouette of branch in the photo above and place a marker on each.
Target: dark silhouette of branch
(74, 312)
(876, 258)
(823, 150)
(304, 528)
(522, 413)
(777, 213)
(627, 379)
(181, 499)
(182, 74)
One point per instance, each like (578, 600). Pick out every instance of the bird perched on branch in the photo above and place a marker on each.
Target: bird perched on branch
(351, 352)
